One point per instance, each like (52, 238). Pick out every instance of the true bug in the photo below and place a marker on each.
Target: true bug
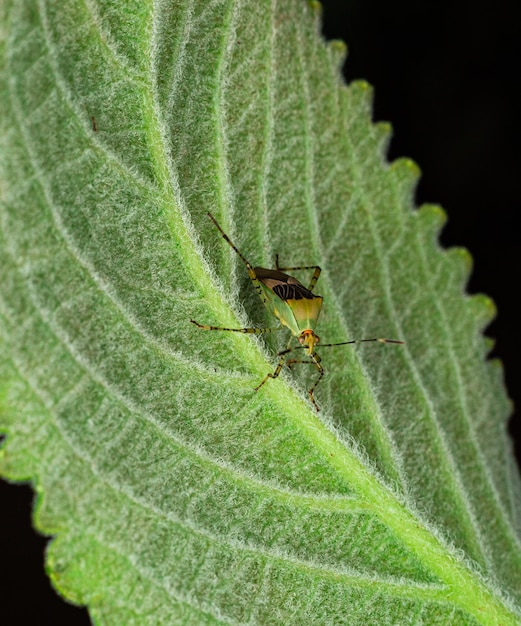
(295, 306)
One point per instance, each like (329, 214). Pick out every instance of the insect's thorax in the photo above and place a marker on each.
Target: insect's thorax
(296, 307)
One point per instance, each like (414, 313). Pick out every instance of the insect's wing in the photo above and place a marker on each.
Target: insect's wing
(295, 306)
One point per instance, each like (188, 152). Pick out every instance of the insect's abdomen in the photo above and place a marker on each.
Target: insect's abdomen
(306, 311)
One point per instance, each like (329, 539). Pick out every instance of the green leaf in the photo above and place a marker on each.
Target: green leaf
(174, 492)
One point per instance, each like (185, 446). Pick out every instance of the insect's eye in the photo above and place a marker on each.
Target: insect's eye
(317, 339)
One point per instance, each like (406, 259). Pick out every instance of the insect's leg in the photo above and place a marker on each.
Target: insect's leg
(320, 374)
(249, 267)
(314, 278)
(314, 360)
(252, 331)
(273, 374)
(280, 364)
(297, 361)
(353, 341)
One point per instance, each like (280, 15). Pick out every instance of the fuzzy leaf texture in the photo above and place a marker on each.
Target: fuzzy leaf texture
(174, 492)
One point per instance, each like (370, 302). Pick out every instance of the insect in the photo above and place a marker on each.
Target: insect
(296, 307)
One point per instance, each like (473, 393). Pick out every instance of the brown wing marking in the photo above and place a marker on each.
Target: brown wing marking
(283, 285)
(292, 292)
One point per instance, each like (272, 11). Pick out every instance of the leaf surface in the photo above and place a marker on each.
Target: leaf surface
(176, 494)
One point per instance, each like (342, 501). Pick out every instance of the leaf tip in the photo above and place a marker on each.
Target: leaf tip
(362, 95)
(60, 574)
(435, 211)
(316, 7)
(432, 217)
(383, 133)
(337, 52)
(385, 128)
(484, 308)
(406, 174)
(464, 257)
(406, 168)
(362, 86)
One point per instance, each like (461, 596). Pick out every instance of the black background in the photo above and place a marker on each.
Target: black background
(446, 75)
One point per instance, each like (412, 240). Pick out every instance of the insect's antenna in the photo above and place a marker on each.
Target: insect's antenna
(345, 343)
(228, 240)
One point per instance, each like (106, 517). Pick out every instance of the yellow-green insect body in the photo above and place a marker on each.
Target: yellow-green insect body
(295, 306)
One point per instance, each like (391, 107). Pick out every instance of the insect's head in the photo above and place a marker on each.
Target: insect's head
(308, 339)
